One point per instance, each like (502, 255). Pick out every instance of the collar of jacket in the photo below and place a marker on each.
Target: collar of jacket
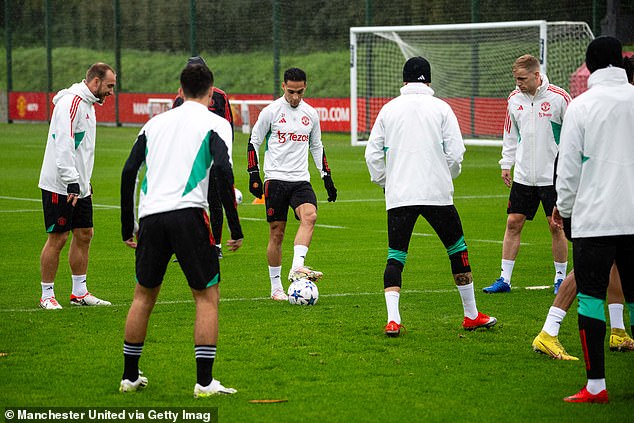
(607, 76)
(416, 88)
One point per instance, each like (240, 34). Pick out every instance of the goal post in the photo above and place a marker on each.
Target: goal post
(157, 106)
(471, 67)
(245, 113)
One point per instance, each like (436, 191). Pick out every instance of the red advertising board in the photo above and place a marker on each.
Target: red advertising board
(133, 108)
(334, 113)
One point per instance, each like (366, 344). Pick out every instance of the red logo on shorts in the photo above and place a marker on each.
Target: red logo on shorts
(305, 120)
(61, 221)
(545, 106)
(270, 212)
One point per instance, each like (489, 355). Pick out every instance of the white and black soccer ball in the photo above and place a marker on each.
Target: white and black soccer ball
(238, 196)
(303, 292)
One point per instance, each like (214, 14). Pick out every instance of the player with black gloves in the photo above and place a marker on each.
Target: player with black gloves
(219, 105)
(291, 128)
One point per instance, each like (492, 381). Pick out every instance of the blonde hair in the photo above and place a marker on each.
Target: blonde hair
(528, 62)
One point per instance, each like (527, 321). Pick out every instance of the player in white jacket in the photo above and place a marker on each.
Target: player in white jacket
(178, 148)
(414, 151)
(595, 199)
(65, 183)
(534, 115)
(290, 128)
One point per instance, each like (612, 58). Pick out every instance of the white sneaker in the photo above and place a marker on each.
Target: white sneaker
(279, 295)
(127, 386)
(214, 388)
(304, 272)
(88, 300)
(50, 304)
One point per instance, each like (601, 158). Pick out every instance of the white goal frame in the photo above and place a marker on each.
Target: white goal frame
(389, 32)
(245, 113)
(157, 106)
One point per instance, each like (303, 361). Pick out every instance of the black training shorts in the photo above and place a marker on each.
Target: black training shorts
(185, 233)
(444, 220)
(525, 199)
(593, 258)
(60, 216)
(279, 195)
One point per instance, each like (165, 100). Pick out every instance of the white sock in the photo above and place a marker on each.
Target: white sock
(553, 321)
(507, 270)
(560, 270)
(616, 316)
(391, 300)
(275, 273)
(595, 386)
(47, 290)
(299, 254)
(79, 285)
(467, 296)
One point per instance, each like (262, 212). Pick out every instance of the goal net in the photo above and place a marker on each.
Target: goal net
(245, 113)
(471, 67)
(157, 106)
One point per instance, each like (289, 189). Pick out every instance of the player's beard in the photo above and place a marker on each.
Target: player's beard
(100, 94)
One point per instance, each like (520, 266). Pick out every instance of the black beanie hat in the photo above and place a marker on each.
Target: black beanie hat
(417, 69)
(196, 60)
(602, 52)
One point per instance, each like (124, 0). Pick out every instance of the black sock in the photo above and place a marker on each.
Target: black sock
(131, 356)
(205, 355)
(592, 333)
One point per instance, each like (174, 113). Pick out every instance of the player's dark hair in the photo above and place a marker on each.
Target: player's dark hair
(196, 81)
(98, 70)
(294, 74)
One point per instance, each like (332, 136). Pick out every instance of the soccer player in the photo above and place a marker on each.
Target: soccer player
(290, 128)
(534, 115)
(414, 151)
(65, 183)
(178, 147)
(595, 199)
(219, 105)
(547, 340)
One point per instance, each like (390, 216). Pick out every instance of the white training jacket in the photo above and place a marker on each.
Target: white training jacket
(595, 172)
(289, 132)
(178, 157)
(415, 149)
(531, 133)
(70, 148)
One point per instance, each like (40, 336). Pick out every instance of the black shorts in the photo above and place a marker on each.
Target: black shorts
(525, 199)
(185, 233)
(443, 219)
(593, 258)
(60, 216)
(279, 195)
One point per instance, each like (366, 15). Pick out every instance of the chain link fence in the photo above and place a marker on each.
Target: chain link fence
(61, 38)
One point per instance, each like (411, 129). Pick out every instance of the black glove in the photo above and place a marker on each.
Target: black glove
(72, 189)
(330, 188)
(255, 184)
(568, 228)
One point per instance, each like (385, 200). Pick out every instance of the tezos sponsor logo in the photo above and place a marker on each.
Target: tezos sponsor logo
(282, 137)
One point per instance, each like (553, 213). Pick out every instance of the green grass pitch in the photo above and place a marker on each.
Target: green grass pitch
(331, 362)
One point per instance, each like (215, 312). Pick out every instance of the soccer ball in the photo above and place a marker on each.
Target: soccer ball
(303, 292)
(238, 196)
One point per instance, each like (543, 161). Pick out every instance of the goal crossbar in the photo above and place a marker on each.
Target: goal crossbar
(470, 67)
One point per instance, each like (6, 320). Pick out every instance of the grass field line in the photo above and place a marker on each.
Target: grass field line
(355, 200)
(240, 299)
(255, 219)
